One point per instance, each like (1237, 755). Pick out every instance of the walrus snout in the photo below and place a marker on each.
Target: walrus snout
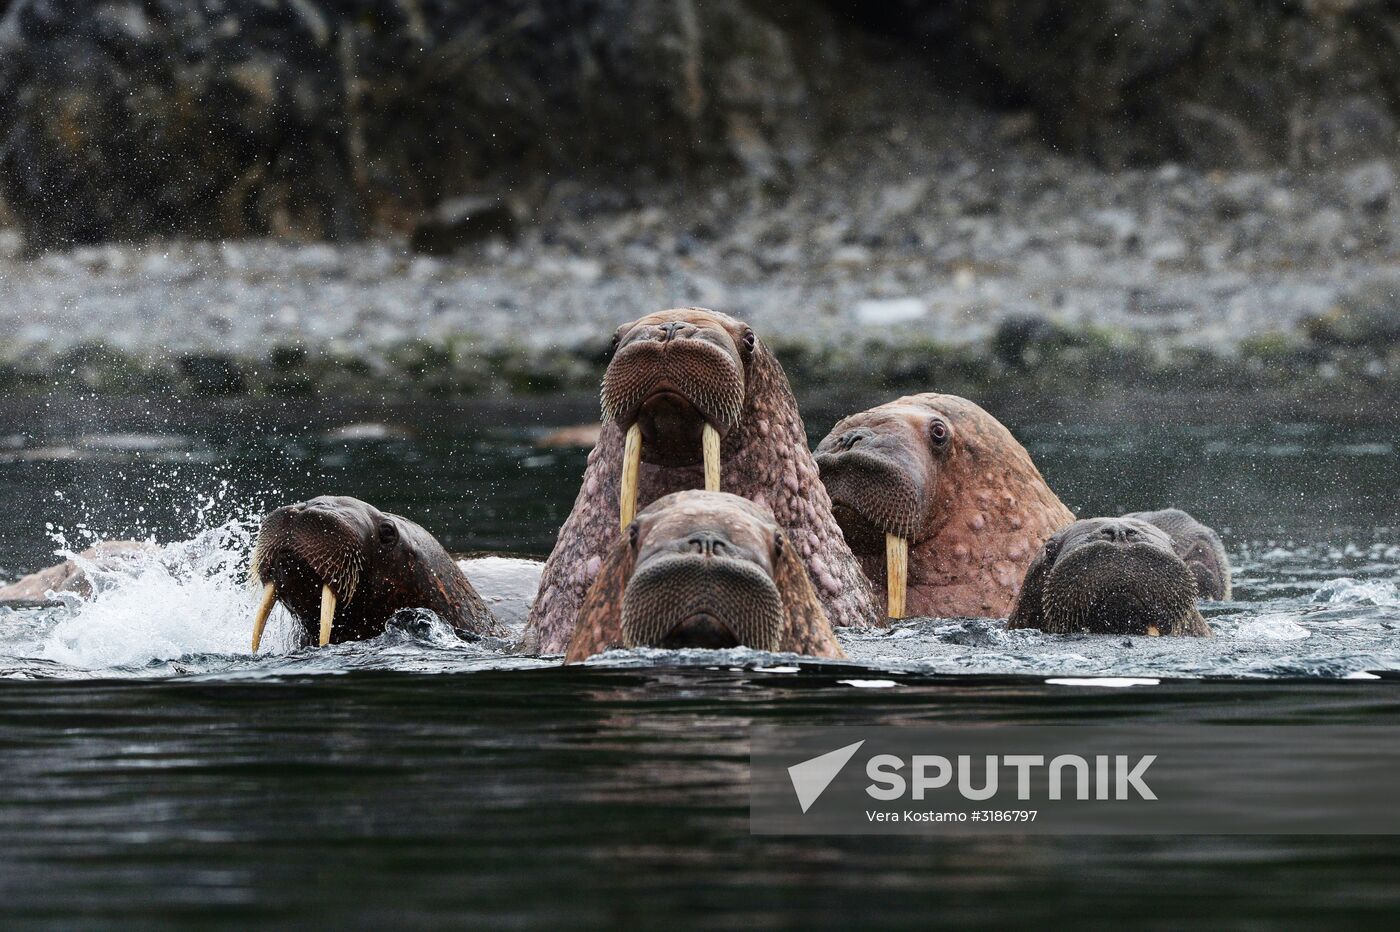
(703, 570)
(322, 541)
(1119, 532)
(1119, 587)
(671, 391)
(310, 556)
(879, 476)
(704, 600)
(672, 373)
(676, 387)
(879, 471)
(701, 631)
(704, 578)
(873, 493)
(1110, 576)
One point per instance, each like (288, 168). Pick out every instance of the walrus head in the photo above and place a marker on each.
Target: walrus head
(675, 386)
(938, 473)
(709, 395)
(704, 570)
(1109, 576)
(342, 568)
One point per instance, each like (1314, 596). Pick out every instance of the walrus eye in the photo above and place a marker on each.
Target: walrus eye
(388, 533)
(632, 535)
(777, 545)
(617, 338)
(747, 341)
(939, 432)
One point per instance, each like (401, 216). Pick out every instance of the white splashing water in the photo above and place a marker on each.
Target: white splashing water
(172, 601)
(1270, 626)
(1347, 591)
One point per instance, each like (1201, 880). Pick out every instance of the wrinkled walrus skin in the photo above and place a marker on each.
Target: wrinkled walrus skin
(1119, 576)
(941, 472)
(765, 458)
(703, 569)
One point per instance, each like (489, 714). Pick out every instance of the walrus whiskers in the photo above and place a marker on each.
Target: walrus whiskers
(897, 573)
(269, 599)
(327, 613)
(709, 443)
(631, 468)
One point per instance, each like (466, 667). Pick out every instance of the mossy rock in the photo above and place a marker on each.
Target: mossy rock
(1356, 324)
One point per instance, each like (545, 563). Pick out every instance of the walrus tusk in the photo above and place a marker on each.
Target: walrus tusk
(269, 599)
(327, 613)
(897, 573)
(631, 466)
(709, 443)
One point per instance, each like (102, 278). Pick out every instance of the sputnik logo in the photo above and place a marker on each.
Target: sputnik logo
(811, 777)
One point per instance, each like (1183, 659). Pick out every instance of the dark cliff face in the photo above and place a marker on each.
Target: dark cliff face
(1214, 82)
(132, 118)
(297, 117)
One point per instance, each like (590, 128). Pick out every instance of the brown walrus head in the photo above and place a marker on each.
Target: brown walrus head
(1109, 576)
(694, 400)
(938, 477)
(704, 570)
(342, 568)
(672, 373)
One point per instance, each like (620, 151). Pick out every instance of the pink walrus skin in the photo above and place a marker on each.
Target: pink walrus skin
(673, 372)
(949, 478)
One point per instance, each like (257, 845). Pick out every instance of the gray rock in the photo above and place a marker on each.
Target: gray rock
(1324, 226)
(1370, 186)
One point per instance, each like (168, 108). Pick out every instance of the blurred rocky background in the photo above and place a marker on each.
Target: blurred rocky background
(974, 186)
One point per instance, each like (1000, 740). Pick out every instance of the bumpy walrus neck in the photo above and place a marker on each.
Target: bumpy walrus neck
(764, 458)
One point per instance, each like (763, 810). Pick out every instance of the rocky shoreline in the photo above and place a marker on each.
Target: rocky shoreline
(903, 258)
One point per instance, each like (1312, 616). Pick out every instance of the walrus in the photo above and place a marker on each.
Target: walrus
(37, 590)
(342, 567)
(693, 399)
(1199, 548)
(940, 503)
(1125, 576)
(707, 570)
(505, 583)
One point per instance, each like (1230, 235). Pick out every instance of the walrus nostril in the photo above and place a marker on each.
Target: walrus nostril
(709, 545)
(668, 331)
(852, 439)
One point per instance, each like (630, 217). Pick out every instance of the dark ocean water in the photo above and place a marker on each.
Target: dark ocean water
(152, 771)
